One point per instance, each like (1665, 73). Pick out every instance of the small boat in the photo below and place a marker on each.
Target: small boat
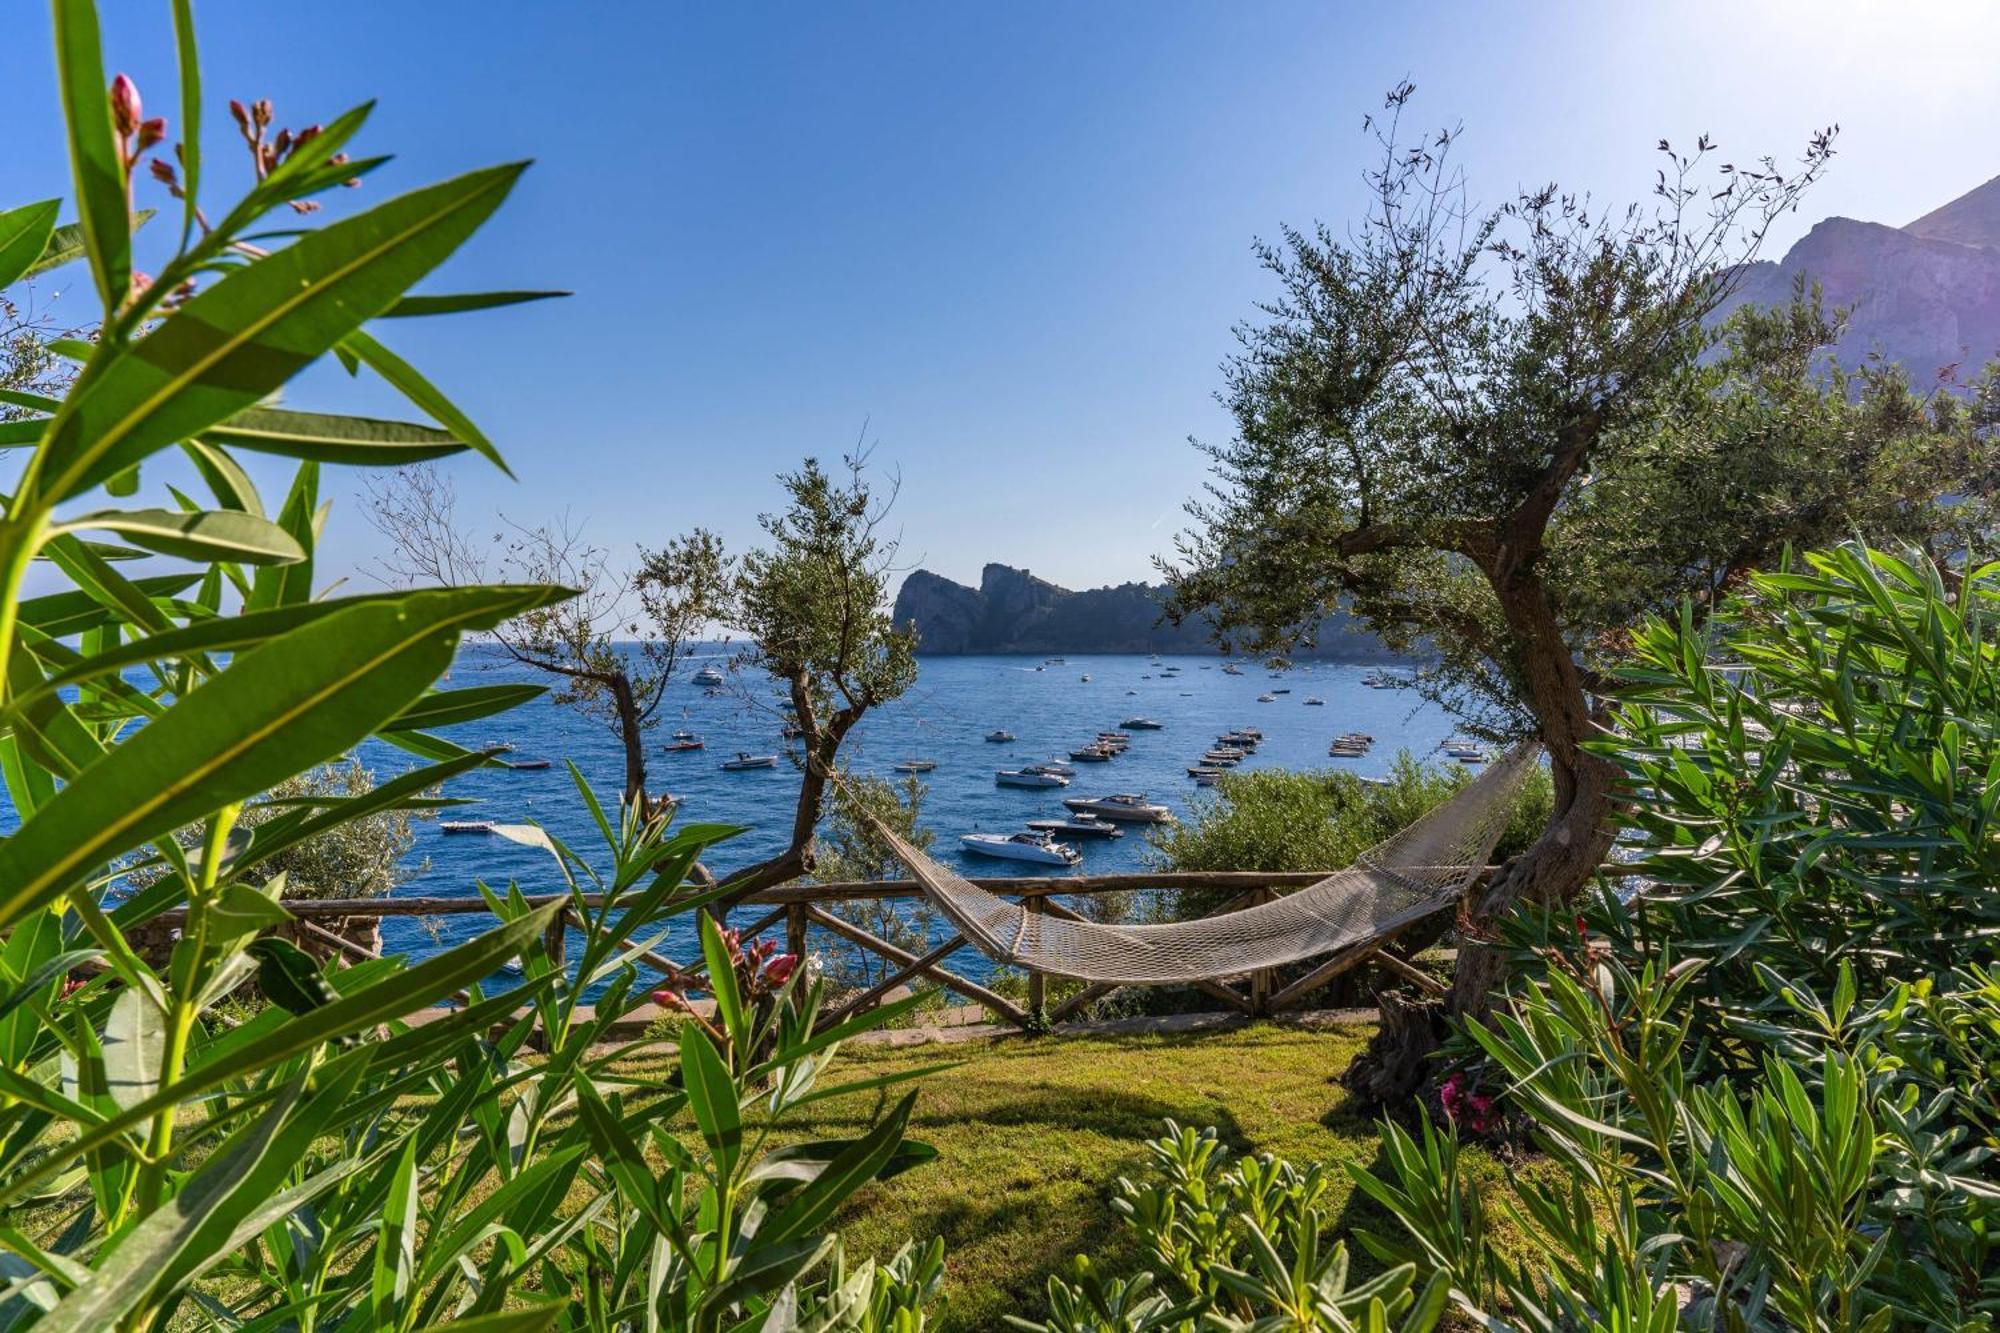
(1221, 758)
(744, 761)
(1282, 689)
(1207, 779)
(1314, 701)
(1141, 724)
(1055, 766)
(1126, 808)
(1022, 777)
(465, 826)
(1055, 661)
(684, 740)
(916, 766)
(1231, 669)
(1091, 754)
(1267, 698)
(1078, 826)
(999, 737)
(521, 765)
(1131, 691)
(504, 747)
(1039, 848)
(1200, 771)
(709, 676)
(1086, 677)
(1113, 740)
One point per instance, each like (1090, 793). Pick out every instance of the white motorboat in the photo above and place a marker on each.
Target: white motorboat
(709, 677)
(1267, 698)
(1206, 778)
(1038, 848)
(1126, 808)
(1055, 766)
(744, 761)
(1314, 701)
(1000, 737)
(465, 826)
(1092, 754)
(1141, 724)
(1231, 669)
(916, 766)
(1078, 826)
(1086, 677)
(1024, 777)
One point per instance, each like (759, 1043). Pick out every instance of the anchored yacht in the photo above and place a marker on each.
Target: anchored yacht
(1039, 848)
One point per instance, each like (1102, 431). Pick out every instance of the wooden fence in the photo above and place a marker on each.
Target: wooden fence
(800, 907)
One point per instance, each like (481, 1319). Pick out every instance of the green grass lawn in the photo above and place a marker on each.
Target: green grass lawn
(1032, 1133)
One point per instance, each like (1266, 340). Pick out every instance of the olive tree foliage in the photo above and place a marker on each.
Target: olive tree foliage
(814, 604)
(1502, 436)
(615, 646)
(848, 848)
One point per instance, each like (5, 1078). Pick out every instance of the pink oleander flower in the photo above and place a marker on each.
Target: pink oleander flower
(126, 109)
(668, 998)
(779, 970)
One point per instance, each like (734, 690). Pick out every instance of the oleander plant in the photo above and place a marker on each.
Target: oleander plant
(328, 1162)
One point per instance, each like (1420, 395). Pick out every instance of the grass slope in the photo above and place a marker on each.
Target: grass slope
(1032, 1134)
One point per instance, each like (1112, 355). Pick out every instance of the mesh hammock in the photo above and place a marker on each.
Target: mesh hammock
(1420, 870)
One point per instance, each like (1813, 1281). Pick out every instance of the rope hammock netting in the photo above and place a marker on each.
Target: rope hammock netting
(1421, 870)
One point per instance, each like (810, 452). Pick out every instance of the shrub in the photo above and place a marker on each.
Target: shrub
(1236, 1245)
(1321, 820)
(329, 1162)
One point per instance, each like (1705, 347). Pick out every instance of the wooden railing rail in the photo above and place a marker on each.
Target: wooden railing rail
(799, 906)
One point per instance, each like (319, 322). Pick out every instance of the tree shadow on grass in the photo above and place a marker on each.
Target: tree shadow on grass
(1006, 1234)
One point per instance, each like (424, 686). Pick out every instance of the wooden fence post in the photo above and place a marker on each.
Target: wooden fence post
(795, 931)
(1038, 983)
(552, 938)
(1264, 979)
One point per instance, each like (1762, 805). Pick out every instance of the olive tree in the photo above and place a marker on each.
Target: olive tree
(614, 646)
(814, 604)
(1501, 437)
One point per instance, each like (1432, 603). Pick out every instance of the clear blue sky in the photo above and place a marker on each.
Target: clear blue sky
(1011, 238)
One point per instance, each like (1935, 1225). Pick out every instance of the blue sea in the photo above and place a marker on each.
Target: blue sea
(1052, 708)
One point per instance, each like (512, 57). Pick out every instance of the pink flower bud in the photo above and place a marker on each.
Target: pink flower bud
(240, 115)
(151, 132)
(669, 999)
(126, 111)
(779, 970)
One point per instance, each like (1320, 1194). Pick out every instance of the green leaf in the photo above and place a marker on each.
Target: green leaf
(102, 209)
(205, 535)
(125, 1275)
(425, 395)
(24, 234)
(532, 1319)
(394, 996)
(722, 978)
(226, 479)
(712, 1097)
(442, 708)
(188, 58)
(808, 1211)
(66, 245)
(62, 614)
(295, 701)
(325, 438)
(232, 344)
(395, 1246)
(453, 304)
(290, 585)
(135, 1042)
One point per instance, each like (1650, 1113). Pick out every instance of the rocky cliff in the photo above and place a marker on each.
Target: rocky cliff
(1012, 611)
(1926, 295)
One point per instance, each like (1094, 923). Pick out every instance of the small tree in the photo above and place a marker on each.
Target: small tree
(815, 605)
(615, 646)
(1501, 437)
(848, 849)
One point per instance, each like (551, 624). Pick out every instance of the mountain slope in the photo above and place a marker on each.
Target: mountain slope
(1012, 611)
(1922, 302)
